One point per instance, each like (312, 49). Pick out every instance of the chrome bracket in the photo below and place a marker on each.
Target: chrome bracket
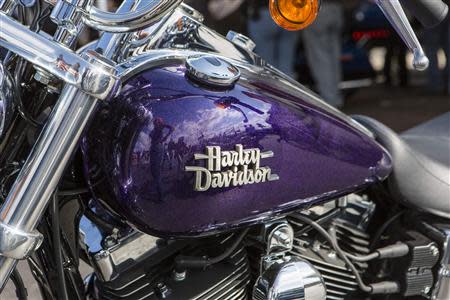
(241, 40)
(68, 16)
(17, 244)
(279, 238)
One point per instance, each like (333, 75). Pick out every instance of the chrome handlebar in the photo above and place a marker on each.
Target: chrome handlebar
(138, 16)
(145, 15)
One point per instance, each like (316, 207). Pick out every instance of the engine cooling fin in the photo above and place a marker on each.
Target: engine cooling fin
(228, 280)
(339, 280)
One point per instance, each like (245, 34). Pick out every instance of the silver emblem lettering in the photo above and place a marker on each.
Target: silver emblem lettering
(230, 168)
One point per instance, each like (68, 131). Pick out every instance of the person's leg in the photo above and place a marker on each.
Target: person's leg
(287, 49)
(402, 68)
(432, 45)
(336, 52)
(321, 47)
(387, 68)
(263, 32)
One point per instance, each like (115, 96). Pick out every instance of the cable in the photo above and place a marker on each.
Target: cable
(21, 291)
(338, 250)
(74, 192)
(381, 230)
(62, 288)
(38, 274)
(385, 287)
(36, 16)
(23, 113)
(363, 258)
(329, 215)
(392, 251)
(186, 262)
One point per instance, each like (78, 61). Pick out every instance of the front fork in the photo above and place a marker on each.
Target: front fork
(38, 179)
(88, 77)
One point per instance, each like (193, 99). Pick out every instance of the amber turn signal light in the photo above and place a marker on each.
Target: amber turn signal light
(294, 14)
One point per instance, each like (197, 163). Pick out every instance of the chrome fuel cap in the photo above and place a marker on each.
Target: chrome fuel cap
(211, 70)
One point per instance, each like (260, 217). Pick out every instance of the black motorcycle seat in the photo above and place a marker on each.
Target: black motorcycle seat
(421, 163)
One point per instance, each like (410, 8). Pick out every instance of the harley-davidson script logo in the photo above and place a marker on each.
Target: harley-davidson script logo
(230, 168)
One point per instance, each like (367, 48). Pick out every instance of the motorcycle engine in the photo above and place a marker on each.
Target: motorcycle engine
(139, 266)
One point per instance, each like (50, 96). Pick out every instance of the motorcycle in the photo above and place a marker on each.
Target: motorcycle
(180, 165)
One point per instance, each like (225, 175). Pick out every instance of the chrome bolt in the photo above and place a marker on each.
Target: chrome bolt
(342, 202)
(281, 238)
(113, 239)
(179, 276)
(434, 250)
(163, 290)
(332, 254)
(43, 77)
(426, 290)
(110, 241)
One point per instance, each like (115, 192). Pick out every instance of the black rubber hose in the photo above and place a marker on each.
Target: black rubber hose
(21, 291)
(56, 233)
(186, 262)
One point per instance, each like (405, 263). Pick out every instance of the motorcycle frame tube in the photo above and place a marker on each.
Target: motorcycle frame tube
(44, 167)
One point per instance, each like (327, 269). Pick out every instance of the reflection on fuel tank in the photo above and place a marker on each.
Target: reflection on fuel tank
(234, 103)
(161, 131)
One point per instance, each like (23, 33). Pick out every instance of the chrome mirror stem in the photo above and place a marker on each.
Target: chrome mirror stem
(394, 12)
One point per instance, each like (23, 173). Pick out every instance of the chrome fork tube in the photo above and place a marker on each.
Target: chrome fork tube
(38, 179)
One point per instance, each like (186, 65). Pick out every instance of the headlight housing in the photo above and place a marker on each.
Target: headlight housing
(6, 100)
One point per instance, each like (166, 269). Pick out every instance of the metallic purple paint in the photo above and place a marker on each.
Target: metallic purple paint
(140, 143)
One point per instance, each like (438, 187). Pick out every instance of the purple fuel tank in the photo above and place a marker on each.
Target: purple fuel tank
(142, 144)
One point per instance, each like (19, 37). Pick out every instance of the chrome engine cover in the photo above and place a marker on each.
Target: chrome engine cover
(290, 279)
